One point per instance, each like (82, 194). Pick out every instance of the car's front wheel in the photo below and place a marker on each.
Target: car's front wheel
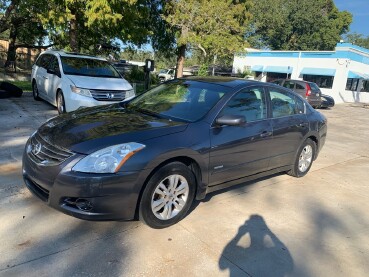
(167, 196)
(60, 103)
(304, 159)
(35, 92)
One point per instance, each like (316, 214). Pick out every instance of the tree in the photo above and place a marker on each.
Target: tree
(216, 27)
(358, 39)
(297, 24)
(80, 25)
(7, 9)
(25, 28)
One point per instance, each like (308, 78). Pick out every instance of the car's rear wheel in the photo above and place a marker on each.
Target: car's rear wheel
(35, 92)
(60, 103)
(168, 195)
(304, 159)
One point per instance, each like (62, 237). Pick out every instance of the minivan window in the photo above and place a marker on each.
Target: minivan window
(45, 60)
(88, 67)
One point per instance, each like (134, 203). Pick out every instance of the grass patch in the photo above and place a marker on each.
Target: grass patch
(25, 85)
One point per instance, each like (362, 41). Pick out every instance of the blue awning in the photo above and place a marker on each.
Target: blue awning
(357, 75)
(278, 69)
(318, 71)
(257, 68)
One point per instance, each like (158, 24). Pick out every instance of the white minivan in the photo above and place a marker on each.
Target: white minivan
(70, 81)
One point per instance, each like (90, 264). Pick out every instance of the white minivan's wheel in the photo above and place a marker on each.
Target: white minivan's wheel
(35, 93)
(60, 103)
(168, 195)
(304, 159)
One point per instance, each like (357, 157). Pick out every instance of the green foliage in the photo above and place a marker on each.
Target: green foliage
(358, 39)
(136, 75)
(203, 70)
(216, 27)
(93, 22)
(297, 25)
(24, 85)
(244, 73)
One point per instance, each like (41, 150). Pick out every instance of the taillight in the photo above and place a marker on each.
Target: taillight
(308, 90)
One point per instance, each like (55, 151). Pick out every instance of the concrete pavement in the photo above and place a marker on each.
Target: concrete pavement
(278, 226)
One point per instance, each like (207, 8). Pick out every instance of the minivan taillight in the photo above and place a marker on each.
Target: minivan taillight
(308, 90)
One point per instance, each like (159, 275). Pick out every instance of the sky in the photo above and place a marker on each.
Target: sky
(360, 12)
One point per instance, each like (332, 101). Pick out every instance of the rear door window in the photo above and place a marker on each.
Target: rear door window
(300, 86)
(314, 87)
(285, 103)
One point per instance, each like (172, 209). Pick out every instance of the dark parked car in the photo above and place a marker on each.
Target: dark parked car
(153, 156)
(327, 102)
(308, 90)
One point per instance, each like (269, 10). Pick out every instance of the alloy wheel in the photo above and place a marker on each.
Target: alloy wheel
(306, 158)
(170, 197)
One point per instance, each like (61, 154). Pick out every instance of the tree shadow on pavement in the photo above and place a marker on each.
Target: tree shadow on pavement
(257, 251)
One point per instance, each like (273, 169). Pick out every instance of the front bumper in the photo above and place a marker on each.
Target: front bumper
(74, 101)
(107, 196)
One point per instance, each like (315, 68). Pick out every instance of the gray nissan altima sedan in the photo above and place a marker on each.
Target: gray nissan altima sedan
(149, 158)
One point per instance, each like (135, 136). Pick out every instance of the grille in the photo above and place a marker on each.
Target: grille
(44, 153)
(39, 191)
(108, 95)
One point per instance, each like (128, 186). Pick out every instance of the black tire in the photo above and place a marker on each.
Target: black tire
(299, 170)
(60, 103)
(35, 93)
(150, 196)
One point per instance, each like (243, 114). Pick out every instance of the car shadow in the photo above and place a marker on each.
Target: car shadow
(241, 188)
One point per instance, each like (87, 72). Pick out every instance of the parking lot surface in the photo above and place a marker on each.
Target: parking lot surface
(277, 226)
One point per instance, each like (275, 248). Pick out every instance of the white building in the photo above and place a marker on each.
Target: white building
(342, 74)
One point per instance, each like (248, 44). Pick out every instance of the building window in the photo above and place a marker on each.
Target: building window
(365, 86)
(352, 84)
(321, 80)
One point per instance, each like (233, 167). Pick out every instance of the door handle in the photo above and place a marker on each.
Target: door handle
(302, 125)
(265, 134)
(44, 77)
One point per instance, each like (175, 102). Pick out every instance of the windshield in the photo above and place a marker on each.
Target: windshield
(182, 100)
(88, 67)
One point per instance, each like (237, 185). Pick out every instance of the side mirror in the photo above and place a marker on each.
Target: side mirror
(231, 120)
(54, 72)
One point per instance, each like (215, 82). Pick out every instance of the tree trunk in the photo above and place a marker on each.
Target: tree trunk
(12, 49)
(180, 60)
(73, 34)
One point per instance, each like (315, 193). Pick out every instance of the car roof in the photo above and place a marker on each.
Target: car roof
(71, 54)
(294, 80)
(225, 81)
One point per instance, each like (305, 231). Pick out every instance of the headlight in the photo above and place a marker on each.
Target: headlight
(81, 91)
(109, 159)
(130, 93)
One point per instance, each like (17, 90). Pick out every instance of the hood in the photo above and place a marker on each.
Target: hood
(88, 130)
(99, 82)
